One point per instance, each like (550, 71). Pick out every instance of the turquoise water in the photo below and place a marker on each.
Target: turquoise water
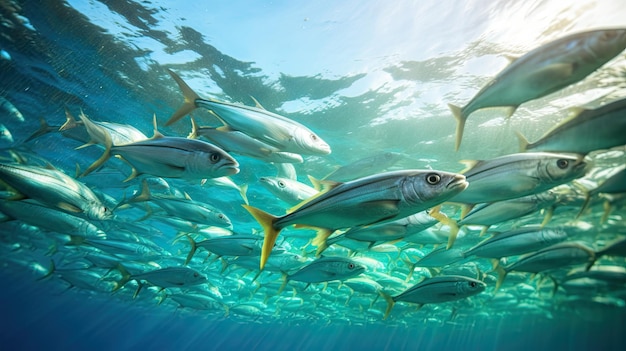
(367, 77)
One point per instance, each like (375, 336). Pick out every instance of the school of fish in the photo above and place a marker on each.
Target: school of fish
(368, 243)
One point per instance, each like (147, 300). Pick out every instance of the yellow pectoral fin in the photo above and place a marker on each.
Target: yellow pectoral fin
(69, 207)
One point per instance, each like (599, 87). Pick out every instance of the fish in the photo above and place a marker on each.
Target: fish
(291, 191)
(240, 143)
(54, 188)
(614, 184)
(584, 131)
(5, 135)
(168, 157)
(275, 130)
(516, 175)
(50, 219)
(228, 183)
(553, 257)
(120, 134)
(326, 269)
(7, 109)
(544, 70)
(228, 245)
(437, 290)
(369, 200)
(169, 277)
(365, 166)
(517, 242)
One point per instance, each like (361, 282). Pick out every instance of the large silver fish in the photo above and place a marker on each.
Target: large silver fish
(377, 198)
(168, 157)
(54, 188)
(437, 290)
(544, 70)
(516, 175)
(584, 131)
(275, 130)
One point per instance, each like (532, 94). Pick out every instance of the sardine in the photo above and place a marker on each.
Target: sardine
(544, 70)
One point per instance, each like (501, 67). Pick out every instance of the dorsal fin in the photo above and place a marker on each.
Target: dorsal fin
(257, 104)
(156, 134)
(194, 129)
(70, 121)
(469, 164)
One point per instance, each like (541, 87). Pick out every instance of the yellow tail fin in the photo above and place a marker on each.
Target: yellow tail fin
(189, 103)
(390, 303)
(266, 221)
(460, 124)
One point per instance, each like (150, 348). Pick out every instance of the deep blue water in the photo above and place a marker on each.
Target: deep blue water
(368, 77)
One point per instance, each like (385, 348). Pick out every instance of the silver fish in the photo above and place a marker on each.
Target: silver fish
(544, 70)
(228, 245)
(364, 166)
(169, 157)
(275, 130)
(437, 290)
(54, 188)
(327, 269)
(120, 133)
(8, 109)
(614, 184)
(584, 131)
(557, 256)
(5, 135)
(517, 242)
(243, 144)
(170, 277)
(377, 198)
(516, 175)
(291, 191)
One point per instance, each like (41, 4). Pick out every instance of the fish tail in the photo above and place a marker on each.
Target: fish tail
(454, 227)
(523, 142)
(390, 303)
(44, 128)
(321, 237)
(108, 143)
(70, 121)
(607, 210)
(266, 221)
(126, 276)
(192, 251)
(501, 275)
(50, 271)
(189, 103)
(457, 112)
(284, 284)
(243, 190)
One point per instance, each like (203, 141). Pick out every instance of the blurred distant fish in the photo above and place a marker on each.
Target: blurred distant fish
(544, 70)
(170, 277)
(275, 130)
(584, 131)
(437, 290)
(557, 256)
(369, 200)
(517, 242)
(326, 269)
(5, 135)
(365, 166)
(614, 184)
(7, 109)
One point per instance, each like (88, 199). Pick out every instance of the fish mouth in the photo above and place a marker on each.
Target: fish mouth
(229, 169)
(458, 182)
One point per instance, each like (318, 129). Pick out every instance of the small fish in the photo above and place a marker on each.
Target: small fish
(544, 70)
(557, 256)
(614, 184)
(326, 269)
(226, 182)
(270, 128)
(170, 277)
(120, 134)
(228, 245)
(7, 109)
(437, 290)
(584, 131)
(517, 242)
(169, 157)
(369, 200)
(291, 191)
(5, 135)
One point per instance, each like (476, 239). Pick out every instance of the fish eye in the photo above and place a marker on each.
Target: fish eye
(281, 184)
(433, 178)
(473, 284)
(562, 163)
(195, 275)
(313, 137)
(351, 265)
(220, 216)
(214, 157)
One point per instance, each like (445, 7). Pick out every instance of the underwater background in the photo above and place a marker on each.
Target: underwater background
(369, 77)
